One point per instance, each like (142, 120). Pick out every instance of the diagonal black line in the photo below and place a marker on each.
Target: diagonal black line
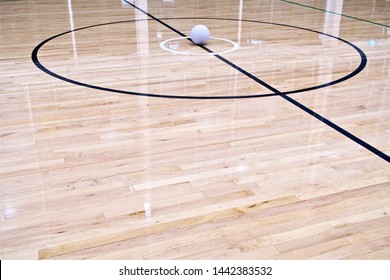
(279, 93)
(337, 128)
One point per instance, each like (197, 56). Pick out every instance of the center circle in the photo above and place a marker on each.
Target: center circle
(359, 52)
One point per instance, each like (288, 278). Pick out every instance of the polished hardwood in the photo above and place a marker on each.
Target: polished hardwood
(87, 173)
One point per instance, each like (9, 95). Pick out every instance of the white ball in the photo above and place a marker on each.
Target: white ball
(200, 34)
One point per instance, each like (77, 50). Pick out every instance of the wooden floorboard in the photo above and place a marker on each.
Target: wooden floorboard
(112, 147)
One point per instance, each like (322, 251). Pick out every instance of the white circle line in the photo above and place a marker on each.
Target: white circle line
(235, 46)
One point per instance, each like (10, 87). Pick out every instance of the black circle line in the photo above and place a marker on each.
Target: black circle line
(34, 57)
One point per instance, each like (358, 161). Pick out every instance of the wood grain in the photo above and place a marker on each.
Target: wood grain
(87, 173)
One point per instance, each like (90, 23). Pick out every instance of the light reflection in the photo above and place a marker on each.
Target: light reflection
(173, 46)
(332, 20)
(373, 43)
(241, 6)
(8, 211)
(148, 210)
(142, 27)
(332, 27)
(254, 42)
(72, 28)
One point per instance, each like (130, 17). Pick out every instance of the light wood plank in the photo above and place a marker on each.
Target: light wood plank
(95, 174)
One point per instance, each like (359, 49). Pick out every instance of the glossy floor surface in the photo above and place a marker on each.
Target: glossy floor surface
(120, 139)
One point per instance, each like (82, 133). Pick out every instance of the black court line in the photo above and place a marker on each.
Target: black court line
(279, 93)
(361, 66)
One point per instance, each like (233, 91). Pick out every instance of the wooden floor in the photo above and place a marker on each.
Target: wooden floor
(113, 147)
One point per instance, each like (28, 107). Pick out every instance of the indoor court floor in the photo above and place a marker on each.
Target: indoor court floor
(120, 139)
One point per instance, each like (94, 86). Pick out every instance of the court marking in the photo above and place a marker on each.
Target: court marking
(276, 92)
(331, 12)
(292, 101)
(235, 46)
(359, 68)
